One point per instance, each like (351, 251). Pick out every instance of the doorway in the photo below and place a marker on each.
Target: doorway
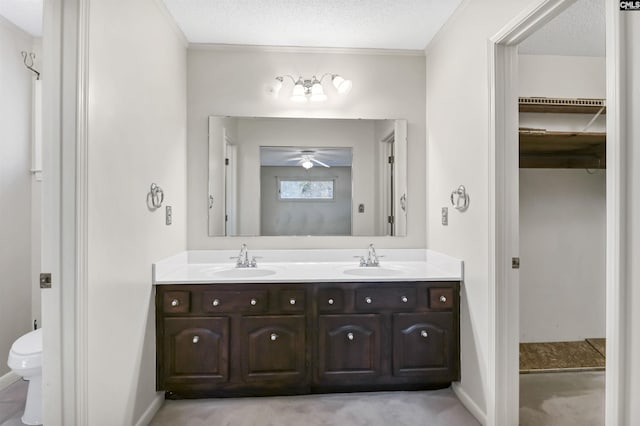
(504, 199)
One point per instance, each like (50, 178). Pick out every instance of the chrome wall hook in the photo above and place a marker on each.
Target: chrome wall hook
(460, 198)
(155, 196)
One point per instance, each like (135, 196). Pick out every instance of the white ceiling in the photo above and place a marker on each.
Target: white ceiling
(25, 14)
(382, 24)
(578, 31)
(409, 24)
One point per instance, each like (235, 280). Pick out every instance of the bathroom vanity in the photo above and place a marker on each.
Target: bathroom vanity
(302, 327)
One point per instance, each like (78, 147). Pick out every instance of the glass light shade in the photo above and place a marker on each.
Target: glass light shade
(342, 86)
(307, 164)
(276, 86)
(317, 93)
(298, 93)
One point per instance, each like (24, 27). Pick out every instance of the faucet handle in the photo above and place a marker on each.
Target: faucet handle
(253, 262)
(362, 261)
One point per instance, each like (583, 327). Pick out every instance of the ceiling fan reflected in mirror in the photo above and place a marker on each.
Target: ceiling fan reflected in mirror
(307, 159)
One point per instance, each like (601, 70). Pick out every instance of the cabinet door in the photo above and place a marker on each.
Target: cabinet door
(273, 348)
(349, 347)
(423, 344)
(196, 350)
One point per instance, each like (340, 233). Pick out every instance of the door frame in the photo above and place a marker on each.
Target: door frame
(64, 226)
(503, 397)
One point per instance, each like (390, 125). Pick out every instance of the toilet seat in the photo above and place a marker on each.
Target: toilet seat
(26, 352)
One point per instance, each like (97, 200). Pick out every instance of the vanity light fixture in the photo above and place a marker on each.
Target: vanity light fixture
(310, 89)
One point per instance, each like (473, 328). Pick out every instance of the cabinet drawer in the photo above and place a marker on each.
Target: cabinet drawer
(246, 301)
(368, 299)
(176, 302)
(441, 298)
(330, 299)
(292, 300)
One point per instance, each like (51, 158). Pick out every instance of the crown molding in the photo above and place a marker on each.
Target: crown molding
(299, 49)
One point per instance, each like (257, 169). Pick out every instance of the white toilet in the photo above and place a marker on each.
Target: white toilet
(25, 359)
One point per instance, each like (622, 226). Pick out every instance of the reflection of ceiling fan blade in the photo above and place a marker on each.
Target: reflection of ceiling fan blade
(295, 159)
(319, 162)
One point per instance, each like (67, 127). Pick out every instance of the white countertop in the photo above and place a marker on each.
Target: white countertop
(300, 266)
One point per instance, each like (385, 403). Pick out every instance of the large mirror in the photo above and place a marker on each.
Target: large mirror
(307, 176)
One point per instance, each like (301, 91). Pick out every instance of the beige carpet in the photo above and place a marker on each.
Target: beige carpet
(559, 356)
(599, 345)
(562, 399)
(428, 408)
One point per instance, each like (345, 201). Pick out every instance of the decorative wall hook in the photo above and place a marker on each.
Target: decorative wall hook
(460, 198)
(29, 59)
(155, 196)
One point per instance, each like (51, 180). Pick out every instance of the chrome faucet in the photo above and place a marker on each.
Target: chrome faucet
(243, 258)
(372, 258)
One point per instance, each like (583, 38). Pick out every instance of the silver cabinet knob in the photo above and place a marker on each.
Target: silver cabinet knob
(292, 301)
(404, 299)
(350, 336)
(215, 302)
(253, 302)
(196, 339)
(424, 333)
(274, 337)
(368, 300)
(443, 299)
(175, 302)
(330, 301)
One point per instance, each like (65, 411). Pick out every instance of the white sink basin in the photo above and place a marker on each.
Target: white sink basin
(243, 273)
(374, 271)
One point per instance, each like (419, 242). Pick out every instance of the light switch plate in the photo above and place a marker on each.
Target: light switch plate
(169, 215)
(445, 216)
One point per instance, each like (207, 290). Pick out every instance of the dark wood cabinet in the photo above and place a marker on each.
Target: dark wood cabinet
(279, 339)
(423, 345)
(196, 350)
(349, 348)
(273, 348)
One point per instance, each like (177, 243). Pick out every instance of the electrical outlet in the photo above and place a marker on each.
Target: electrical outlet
(445, 216)
(169, 215)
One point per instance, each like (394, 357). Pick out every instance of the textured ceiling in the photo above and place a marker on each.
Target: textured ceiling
(578, 31)
(25, 14)
(383, 24)
(409, 24)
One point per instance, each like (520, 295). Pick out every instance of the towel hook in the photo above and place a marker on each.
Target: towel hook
(156, 196)
(460, 198)
(29, 60)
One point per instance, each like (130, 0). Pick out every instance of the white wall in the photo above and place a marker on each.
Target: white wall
(458, 153)
(15, 188)
(137, 135)
(562, 213)
(562, 252)
(225, 81)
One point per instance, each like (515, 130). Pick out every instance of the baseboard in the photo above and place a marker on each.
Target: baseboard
(151, 410)
(469, 403)
(8, 379)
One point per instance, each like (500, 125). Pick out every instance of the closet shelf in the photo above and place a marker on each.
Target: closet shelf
(554, 149)
(561, 105)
